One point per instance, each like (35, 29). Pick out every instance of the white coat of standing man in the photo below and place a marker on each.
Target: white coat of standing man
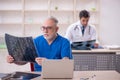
(81, 30)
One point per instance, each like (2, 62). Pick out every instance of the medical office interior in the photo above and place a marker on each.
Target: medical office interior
(25, 17)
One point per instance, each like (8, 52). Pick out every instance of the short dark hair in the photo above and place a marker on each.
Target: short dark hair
(84, 13)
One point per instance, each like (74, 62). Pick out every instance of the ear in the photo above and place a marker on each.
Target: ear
(57, 28)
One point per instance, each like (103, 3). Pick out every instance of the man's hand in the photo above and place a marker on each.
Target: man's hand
(96, 45)
(10, 59)
(65, 58)
(39, 60)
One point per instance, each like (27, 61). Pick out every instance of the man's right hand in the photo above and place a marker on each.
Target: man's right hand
(10, 59)
(39, 60)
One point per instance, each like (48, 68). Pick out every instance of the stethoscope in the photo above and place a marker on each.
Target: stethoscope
(77, 28)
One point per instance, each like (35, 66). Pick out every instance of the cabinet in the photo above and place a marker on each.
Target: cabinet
(87, 61)
(25, 17)
(35, 12)
(11, 17)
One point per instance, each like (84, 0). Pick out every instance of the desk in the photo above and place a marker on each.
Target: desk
(100, 75)
(96, 51)
(96, 59)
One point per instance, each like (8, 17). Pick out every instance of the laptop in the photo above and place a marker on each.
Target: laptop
(57, 69)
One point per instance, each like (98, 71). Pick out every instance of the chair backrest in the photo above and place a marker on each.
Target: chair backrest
(32, 66)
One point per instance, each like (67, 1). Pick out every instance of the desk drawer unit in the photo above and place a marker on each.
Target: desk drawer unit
(94, 61)
(118, 63)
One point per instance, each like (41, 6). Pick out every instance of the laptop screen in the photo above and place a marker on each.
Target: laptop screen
(54, 69)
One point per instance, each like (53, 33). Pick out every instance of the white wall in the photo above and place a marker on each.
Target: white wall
(9, 68)
(109, 30)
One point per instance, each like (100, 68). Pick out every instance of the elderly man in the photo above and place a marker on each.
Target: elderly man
(50, 45)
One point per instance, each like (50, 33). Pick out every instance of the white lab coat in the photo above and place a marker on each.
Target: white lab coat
(74, 33)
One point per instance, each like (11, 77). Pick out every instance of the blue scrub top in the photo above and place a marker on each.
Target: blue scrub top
(58, 49)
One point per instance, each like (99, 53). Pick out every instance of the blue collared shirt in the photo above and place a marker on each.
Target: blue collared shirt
(58, 49)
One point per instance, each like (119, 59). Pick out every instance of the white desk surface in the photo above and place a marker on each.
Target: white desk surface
(86, 51)
(96, 50)
(100, 75)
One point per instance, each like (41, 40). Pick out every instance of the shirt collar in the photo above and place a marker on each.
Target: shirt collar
(79, 24)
